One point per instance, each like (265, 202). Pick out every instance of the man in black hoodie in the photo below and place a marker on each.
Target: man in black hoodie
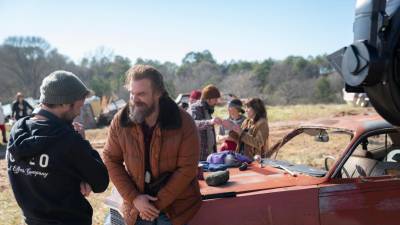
(51, 166)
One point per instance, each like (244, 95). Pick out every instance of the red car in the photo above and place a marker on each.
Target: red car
(336, 171)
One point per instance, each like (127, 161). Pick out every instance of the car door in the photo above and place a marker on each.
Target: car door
(367, 201)
(283, 206)
(366, 189)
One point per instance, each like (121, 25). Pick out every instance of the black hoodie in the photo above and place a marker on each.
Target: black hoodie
(47, 161)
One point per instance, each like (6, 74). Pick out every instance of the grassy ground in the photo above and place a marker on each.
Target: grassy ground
(281, 118)
(304, 112)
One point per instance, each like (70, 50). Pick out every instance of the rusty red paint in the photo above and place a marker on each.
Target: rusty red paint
(255, 179)
(360, 202)
(263, 208)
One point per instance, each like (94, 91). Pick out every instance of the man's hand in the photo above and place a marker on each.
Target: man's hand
(236, 128)
(147, 210)
(216, 121)
(85, 189)
(147, 217)
(227, 124)
(79, 128)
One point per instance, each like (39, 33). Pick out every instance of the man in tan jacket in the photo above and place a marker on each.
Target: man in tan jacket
(152, 152)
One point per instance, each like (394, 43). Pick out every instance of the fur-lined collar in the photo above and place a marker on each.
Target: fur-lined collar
(169, 117)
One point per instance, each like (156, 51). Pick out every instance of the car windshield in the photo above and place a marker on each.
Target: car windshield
(310, 150)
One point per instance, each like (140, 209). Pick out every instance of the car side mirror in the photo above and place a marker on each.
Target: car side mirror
(322, 137)
(396, 158)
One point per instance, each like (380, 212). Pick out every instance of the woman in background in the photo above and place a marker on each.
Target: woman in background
(20, 107)
(252, 136)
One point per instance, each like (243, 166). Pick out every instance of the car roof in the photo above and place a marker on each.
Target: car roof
(363, 122)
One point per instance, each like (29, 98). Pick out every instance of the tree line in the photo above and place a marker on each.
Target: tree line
(25, 60)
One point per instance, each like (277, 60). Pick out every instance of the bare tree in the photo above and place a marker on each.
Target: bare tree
(279, 73)
(243, 85)
(25, 58)
(196, 76)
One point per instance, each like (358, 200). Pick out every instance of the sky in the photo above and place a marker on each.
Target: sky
(167, 30)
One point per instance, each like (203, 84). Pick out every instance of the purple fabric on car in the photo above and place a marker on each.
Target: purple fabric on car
(219, 157)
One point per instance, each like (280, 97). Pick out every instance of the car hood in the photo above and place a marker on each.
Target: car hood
(256, 178)
(241, 182)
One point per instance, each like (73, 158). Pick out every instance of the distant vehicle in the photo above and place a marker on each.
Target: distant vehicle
(356, 99)
(109, 111)
(90, 112)
(183, 100)
(336, 171)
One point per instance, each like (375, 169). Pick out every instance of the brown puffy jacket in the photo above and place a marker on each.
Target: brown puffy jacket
(174, 148)
(254, 138)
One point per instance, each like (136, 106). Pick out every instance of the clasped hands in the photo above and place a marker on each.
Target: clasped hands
(147, 210)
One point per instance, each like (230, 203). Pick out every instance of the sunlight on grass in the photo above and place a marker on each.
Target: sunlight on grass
(302, 112)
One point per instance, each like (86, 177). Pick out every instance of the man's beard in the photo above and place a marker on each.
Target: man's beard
(139, 111)
(69, 116)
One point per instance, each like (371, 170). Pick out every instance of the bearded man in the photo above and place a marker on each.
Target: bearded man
(152, 154)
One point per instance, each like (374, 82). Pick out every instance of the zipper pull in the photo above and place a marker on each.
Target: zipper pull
(147, 177)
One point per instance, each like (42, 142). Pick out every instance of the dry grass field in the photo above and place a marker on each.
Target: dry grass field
(281, 118)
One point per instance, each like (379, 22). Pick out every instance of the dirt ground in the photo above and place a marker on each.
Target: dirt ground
(282, 120)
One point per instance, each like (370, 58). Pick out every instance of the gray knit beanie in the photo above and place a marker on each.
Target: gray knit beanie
(62, 87)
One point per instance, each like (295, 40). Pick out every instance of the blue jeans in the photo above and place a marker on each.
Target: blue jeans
(161, 220)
